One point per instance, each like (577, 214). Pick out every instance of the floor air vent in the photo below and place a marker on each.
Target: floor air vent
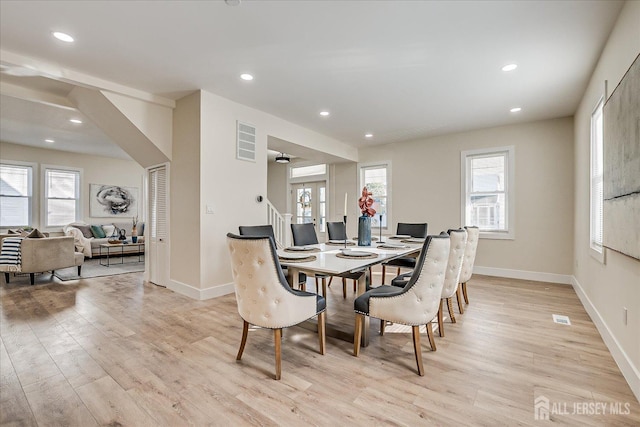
(564, 320)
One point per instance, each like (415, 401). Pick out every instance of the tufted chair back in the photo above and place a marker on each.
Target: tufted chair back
(413, 230)
(263, 295)
(304, 234)
(469, 253)
(417, 303)
(337, 231)
(458, 239)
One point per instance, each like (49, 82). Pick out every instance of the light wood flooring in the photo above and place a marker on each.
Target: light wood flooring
(116, 351)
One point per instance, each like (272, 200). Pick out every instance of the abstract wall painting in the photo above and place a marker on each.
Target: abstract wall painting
(113, 201)
(621, 175)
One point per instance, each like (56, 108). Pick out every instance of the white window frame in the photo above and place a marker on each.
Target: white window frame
(32, 188)
(596, 249)
(371, 165)
(509, 191)
(45, 196)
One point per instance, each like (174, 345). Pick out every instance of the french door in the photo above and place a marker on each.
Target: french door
(309, 205)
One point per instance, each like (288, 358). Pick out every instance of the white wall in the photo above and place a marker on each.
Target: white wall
(606, 289)
(277, 186)
(426, 187)
(96, 170)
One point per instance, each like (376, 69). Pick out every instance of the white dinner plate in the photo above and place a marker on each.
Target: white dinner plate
(292, 256)
(393, 245)
(401, 236)
(300, 248)
(350, 252)
(415, 240)
(337, 241)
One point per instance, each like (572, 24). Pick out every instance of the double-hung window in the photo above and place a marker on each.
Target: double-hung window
(16, 189)
(61, 195)
(488, 191)
(376, 178)
(596, 180)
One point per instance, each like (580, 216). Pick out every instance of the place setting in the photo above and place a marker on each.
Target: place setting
(355, 254)
(295, 257)
(302, 249)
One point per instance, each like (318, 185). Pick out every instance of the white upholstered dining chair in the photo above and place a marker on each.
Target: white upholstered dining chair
(416, 304)
(458, 239)
(473, 233)
(263, 295)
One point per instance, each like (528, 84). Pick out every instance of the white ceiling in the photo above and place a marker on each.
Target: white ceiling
(401, 70)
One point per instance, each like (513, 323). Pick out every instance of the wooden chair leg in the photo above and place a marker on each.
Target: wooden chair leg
(464, 292)
(398, 272)
(79, 270)
(384, 272)
(322, 331)
(417, 350)
(432, 342)
(357, 335)
(277, 335)
(440, 320)
(383, 324)
(245, 332)
(459, 299)
(344, 288)
(6, 277)
(355, 284)
(330, 280)
(324, 287)
(450, 307)
(317, 283)
(32, 278)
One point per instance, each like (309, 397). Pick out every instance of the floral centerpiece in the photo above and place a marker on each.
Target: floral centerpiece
(366, 203)
(134, 229)
(364, 222)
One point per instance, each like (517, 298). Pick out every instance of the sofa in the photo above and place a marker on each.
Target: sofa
(43, 254)
(89, 237)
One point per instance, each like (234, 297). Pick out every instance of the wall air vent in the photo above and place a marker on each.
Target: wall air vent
(246, 142)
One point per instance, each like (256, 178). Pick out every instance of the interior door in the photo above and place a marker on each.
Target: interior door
(309, 205)
(156, 237)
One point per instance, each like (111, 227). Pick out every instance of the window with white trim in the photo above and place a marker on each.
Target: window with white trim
(596, 184)
(376, 178)
(61, 202)
(488, 191)
(16, 189)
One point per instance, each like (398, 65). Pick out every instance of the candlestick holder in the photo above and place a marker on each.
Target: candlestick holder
(344, 219)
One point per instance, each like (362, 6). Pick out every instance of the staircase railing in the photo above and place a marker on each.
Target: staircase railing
(281, 224)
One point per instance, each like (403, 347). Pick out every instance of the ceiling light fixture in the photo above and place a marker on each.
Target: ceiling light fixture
(324, 113)
(368, 135)
(63, 37)
(516, 109)
(247, 77)
(76, 121)
(282, 158)
(50, 141)
(232, 2)
(509, 67)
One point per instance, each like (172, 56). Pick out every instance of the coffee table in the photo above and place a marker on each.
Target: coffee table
(119, 250)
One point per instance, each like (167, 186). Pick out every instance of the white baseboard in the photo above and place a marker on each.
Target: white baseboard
(629, 371)
(537, 276)
(200, 294)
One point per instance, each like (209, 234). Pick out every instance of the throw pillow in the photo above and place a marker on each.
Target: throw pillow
(35, 234)
(85, 229)
(109, 229)
(98, 232)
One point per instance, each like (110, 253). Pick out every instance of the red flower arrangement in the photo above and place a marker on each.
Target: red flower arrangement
(366, 202)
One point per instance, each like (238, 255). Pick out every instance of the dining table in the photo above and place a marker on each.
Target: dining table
(334, 259)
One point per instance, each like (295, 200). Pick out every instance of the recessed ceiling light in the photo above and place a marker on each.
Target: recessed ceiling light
(232, 2)
(509, 67)
(368, 135)
(246, 76)
(324, 113)
(50, 141)
(76, 121)
(63, 37)
(516, 109)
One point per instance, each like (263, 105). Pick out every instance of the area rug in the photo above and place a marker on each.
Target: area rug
(92, 268)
